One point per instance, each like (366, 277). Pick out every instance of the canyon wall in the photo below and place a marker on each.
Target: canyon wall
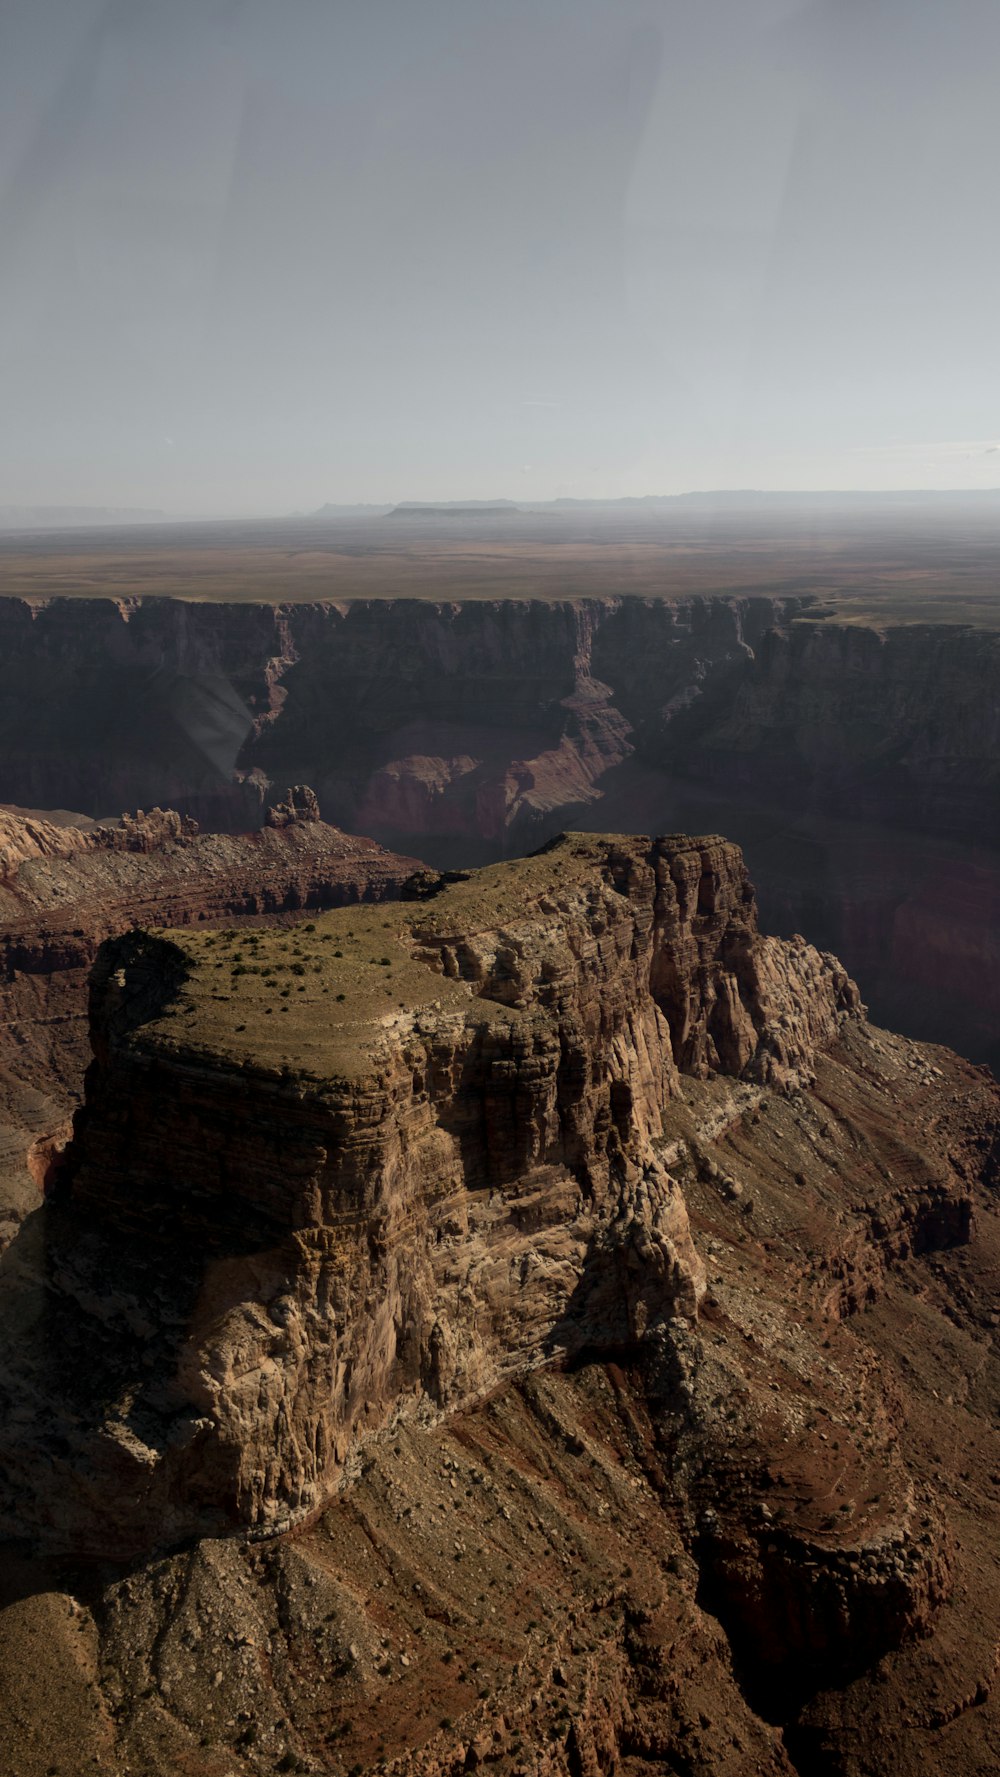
(858, 766)
(64, 889)
(379, 1207)
(473, 720)
(537, 1323)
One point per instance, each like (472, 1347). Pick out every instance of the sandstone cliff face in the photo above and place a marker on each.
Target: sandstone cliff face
(869, 722)
(156, 868)
(411, 1200)
(479, 721)
(64, 889)
(484, 717)
(591, 1292)
(468, 731)
(484, 1189)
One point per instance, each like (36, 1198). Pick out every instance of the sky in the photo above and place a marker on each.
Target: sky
(260, 254)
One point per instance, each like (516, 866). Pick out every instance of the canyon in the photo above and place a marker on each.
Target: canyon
(478, 1296)
(536, 1323)
(854, 758)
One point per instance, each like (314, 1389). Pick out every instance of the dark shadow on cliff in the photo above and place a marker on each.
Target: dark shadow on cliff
(788, 1643)
(94, 1330)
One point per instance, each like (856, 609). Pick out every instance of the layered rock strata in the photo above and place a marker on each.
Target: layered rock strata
(485, 718)
(596, 1297)
(459, 1174)
(65, 888)
(456, 1177)
(857, 763)
(157, 868)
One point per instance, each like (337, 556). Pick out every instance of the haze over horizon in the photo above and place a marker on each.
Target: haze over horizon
(262, 258)
(848, 503)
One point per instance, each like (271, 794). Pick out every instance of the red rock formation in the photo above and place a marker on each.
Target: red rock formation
(582, 1285)
(514, 1104)
(63, 890)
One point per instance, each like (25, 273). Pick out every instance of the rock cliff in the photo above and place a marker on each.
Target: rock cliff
(444, 1175)
(469, 731)
(528, 1325)
(64, 889)
(390, 707)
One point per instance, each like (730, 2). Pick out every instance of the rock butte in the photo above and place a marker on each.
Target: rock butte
(531, 1359)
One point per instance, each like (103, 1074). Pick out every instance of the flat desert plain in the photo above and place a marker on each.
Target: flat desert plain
(934, 563)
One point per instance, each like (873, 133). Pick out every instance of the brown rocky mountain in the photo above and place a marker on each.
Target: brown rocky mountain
(65, 888)
(855, 762)
(538, 1326)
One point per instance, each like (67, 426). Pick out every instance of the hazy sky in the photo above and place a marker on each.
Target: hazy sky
(258, 254)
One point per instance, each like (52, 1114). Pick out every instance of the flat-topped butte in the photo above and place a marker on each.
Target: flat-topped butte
(323, 998)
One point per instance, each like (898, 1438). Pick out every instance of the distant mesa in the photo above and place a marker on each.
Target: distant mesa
(492, 509)
(339, 509)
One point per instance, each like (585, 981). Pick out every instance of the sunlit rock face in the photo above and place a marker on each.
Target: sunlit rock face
(537, 1321)
(436, 1156)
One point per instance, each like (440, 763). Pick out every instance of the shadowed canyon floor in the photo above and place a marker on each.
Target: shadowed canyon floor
(538, 1326)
